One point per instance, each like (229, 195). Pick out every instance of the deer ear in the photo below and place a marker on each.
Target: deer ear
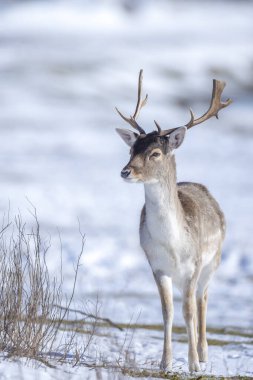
(176, 137)
(128, 136)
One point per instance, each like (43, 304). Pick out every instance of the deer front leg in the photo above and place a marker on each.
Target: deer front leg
(190, 316)
(164, 284)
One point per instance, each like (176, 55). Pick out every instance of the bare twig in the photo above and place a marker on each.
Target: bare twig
(92, 316)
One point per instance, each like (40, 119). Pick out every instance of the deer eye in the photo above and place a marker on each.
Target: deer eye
(155, 154)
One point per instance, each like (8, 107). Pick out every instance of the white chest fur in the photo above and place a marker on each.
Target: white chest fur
(163, 237)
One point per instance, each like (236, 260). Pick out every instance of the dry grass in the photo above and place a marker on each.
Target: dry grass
(30, 323)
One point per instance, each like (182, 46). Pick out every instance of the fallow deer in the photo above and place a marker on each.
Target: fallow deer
(181, 227)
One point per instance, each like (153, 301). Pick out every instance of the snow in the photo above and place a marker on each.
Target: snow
(64, 66)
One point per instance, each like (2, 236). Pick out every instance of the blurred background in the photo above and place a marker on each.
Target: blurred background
(64, 66)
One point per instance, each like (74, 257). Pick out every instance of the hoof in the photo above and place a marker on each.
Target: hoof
(194, 366)
(166, 366)
(203, 353)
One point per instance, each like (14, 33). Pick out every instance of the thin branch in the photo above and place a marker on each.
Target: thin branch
(93, 316)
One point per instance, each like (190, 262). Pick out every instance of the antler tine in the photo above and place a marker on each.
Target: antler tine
(165, 131)
(140, 103)
(158, 127)
(215, 106)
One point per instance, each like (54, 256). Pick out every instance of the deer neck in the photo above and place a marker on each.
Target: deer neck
(161, 200)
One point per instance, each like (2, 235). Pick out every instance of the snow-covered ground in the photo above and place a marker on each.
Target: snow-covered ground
(63, 67)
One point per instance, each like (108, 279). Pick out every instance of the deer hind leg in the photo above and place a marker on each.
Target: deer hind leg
(164, 285)
(190, 316)
(195, 319)
(202, 341)
(202, 288)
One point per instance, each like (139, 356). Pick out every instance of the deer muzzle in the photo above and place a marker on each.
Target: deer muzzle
(125, 173)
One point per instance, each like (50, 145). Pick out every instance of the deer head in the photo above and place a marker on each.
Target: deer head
(149, 151)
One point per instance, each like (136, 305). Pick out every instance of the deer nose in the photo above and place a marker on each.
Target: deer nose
(125, 173)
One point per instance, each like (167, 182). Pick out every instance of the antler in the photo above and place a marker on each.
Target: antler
(140, 103)
(165, 132)
(215, 106)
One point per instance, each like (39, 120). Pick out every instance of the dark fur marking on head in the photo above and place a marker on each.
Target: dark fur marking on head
(148, 142)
